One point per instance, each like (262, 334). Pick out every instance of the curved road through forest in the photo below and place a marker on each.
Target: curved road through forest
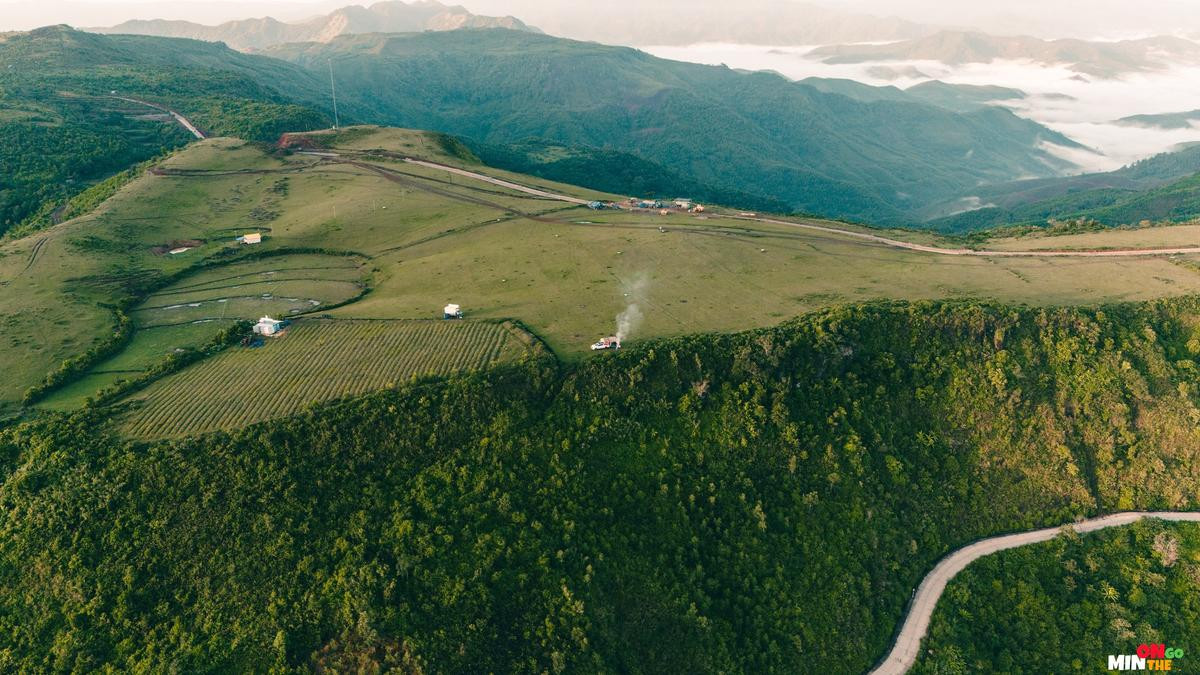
(908, 642)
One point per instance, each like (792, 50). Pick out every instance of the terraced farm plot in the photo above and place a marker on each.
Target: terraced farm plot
(315, 360)
(190, 312)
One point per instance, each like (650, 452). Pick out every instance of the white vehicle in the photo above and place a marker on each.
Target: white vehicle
(607, 343)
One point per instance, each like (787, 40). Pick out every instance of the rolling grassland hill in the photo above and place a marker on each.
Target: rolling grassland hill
(74, 113)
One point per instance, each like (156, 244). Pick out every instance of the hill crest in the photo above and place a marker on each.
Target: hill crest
(390, 16)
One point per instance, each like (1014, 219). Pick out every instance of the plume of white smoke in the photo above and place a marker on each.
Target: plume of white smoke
(631, 317)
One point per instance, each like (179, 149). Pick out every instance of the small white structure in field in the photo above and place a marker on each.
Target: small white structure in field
(252, 238)
(452, 312)
(181, 249)
(268, 327)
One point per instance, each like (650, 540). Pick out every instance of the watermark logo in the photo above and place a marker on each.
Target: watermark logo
(1148, 657)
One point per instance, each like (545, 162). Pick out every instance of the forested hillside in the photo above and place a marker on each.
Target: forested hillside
(751, 140)
(612, 171)
(752, 502)
(1067, 604)
(755, 133)
(63, 127)
(1162, 188)
(1176, 202)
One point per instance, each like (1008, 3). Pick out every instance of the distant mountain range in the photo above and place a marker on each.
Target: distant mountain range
(382, 17)
(1096, 59)
(1178, 120)
(757, 139)
(955, 97)
(753, 22)
(756, 133)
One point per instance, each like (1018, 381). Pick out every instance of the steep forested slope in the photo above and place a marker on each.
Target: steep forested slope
(1175, 202)
(756, 133)
(613, 171)
(1069, 603)
(1159, 188)
(62, 127)
(755, 502)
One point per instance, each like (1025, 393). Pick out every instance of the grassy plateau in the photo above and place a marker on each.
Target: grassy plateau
(352, 231)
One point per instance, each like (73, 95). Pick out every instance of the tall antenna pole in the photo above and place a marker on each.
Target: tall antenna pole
(333, 93)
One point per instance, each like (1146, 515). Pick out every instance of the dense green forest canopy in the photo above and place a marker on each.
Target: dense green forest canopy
(752, 502)
(612, 171)
(1065, 605)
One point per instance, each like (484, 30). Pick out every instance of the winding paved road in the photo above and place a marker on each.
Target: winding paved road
(916, 623)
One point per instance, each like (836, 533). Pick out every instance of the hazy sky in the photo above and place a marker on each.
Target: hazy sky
(1056, 18)
(1111, 18)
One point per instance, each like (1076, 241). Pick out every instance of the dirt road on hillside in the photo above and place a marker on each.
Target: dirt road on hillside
(864, 236)
(908, 642)
(183, 121)
(896, 243)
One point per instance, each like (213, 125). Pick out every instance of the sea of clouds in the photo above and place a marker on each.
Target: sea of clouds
(1082, 107)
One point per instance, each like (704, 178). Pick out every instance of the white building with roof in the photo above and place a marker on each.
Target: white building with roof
(268, 327)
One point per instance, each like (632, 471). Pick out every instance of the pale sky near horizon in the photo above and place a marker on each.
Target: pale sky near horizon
(1051, 18)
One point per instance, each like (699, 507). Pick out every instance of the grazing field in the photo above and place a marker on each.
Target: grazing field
(568, 281)
(57, 286)
(148, 347)
(278, 286)
(315, 360)
(1117, 238)
(424, 236)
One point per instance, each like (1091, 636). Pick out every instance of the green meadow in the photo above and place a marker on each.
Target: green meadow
(364, 235)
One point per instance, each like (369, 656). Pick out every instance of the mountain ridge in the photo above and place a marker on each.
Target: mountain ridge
(1097, 59)
(823, 153)
(732, 133)
(388, 16)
